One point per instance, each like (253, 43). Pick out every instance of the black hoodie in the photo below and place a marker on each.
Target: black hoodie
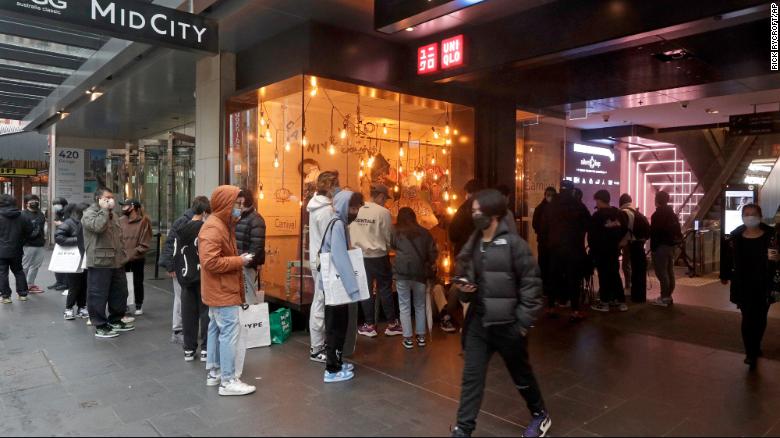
(186, 261)
(14, 231)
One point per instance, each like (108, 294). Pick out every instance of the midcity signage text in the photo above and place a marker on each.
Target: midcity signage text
(125, 19)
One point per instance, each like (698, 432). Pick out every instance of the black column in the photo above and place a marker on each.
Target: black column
(495, 144)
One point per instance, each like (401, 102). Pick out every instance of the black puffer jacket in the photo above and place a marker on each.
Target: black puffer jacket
(415, 256)
(564, 224)
(14, 230)
(507, 277)
(664, 228)
(166, 258)
(250, 236)
(750, 281)
(70, 233)
(37, 235)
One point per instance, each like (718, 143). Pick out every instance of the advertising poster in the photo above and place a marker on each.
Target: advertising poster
(593, 168)
(79, 173)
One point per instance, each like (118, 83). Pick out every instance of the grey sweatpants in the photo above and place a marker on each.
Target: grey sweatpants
(32, 261)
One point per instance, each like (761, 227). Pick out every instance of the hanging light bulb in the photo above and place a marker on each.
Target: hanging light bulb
(447, 172)
(448, 142)
(435, 176)
(455, 132)
(262, 120)
(287, 146)
(332, 149)
(450, 211)
(447, 129)
(401, 152)
(313, 81)
(343, 133)
(384, 129)
(313, 92)
(268, 136)
(262, 194)
(433, 161)
(360, 174)
(395, 189)
(446, 195)
(444, 151)
(305, 142)
(362, 163)
(371, 161)
(276, 161)
(454, 197)
(435, 133)
(401, 169)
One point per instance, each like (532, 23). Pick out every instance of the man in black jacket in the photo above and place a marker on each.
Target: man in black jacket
(14, 230)
(665, 235)
(34, 251)
(608, 226)
(166, 261)
(250, 239)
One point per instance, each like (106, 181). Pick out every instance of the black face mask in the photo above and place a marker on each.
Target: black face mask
(481, 222)
(351, 218)
(34, 205)
(127, 212)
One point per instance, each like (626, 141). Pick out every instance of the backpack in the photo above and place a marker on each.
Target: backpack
(641, 229)
(186, 261)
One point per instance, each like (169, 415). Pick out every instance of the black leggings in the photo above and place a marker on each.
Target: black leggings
(754, 319)
(336, 323)
(77, 290)
(137, 268)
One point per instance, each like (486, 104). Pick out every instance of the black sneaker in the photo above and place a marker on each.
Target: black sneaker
(421, 340)
(122, 327)
(189, 356)
(408, 343)
(447, 326)
(105, 332)
(318, 356)
(458, 433)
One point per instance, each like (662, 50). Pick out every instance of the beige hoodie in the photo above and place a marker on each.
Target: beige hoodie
(372, 230)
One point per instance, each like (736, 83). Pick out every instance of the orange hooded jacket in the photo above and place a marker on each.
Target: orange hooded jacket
(221, 269)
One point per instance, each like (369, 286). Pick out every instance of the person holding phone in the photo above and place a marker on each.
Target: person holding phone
(745, 263)
(497, 275)
(250, 238)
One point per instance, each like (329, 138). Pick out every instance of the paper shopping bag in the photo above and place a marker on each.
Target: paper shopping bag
(65, 260)
(335, 294)
(130, 289)
(255, 325)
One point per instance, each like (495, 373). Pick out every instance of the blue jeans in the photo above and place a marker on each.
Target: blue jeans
(222, 341)
(412, 291)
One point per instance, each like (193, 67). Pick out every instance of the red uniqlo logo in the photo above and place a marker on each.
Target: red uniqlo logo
(452, 52)
(428, 59)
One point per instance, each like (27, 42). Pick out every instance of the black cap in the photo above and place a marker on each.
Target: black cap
(133, 202)
(602, 195)
(567, 185)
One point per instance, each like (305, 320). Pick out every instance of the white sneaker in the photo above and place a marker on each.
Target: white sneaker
(65, 293)
(128, 319)
(236, 387)
(89, 321)
(138, 312)
(213, 380)
(204, 355)
(69, 315)
(662, 302)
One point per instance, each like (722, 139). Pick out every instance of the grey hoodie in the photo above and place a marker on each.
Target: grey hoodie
(336, 242)
(320, 210)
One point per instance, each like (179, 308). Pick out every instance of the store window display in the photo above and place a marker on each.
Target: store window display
(283, 136)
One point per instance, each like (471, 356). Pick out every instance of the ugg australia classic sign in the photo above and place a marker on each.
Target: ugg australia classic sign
(125, 19)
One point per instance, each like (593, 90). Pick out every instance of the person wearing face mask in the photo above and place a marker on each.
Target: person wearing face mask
(665, 235)
(746, 260)
(137, 235)
(105, 251)
(58, 206)
(69, 233)
(222, 289)
(335, 241)
(250, 238)
(541, 228)
(320, 209)
(497, 275)
(34, 243)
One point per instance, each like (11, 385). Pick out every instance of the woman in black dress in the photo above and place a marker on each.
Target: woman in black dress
(745, 262)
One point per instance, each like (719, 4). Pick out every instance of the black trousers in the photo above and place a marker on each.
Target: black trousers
(638, 272)
(610, 283)
(137, 268)
(106, 286)
(480, 343)
(77, 290)
(548, 281)
(754, 319)
(336, 323)
(61, 278)
(193, 313)
(15, 265)
(379, 270)
(566, 279)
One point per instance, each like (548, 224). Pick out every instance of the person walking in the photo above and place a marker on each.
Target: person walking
(415, 266)
(607, 228)
(14, 229)
(665, 235)
(497, 274)
(186, 262)
(633, 248)
(372, 232)
(34, 250)
(69, 233)
(461, 227)
(745, 263)
(58, 206)
(222, 289)
(336, 242)
(137, 236)
(166, 262)
(565, 222)
(250, 238)
(320, 209)
(106, 281)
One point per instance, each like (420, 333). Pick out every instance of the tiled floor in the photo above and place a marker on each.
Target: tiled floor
(647, 372)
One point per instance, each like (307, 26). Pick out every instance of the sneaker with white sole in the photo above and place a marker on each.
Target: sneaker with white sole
(341, 376)
(236, 387)
(446, 325)
(408, 343)
(105, 332)
(83, 313)
(69, 315)
(89, 321)
(346, 366)
(189, 356)
(421, 340)
(394, 329)
(123, 327)
(23, 298)
(65, 293)
(600, 307)
(367, 330)
(204, 355)
(138, 312)
(128, 319)
(213, 379)
(318, 356)
(6, 300)
(662, 302)
(539, 426)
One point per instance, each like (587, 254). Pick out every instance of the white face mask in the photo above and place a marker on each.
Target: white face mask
(751, 221)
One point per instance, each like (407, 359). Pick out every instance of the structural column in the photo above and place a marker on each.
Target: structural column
(215, 82)
(496, 143)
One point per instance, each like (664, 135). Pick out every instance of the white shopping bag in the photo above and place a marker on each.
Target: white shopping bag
(65, 260)
(335, 294)
(255, 325)
(130, 289)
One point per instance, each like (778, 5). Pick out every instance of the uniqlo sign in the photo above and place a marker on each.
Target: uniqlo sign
(428, 59)
(452, 52)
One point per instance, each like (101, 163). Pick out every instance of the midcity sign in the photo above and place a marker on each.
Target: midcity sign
(125, 19)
